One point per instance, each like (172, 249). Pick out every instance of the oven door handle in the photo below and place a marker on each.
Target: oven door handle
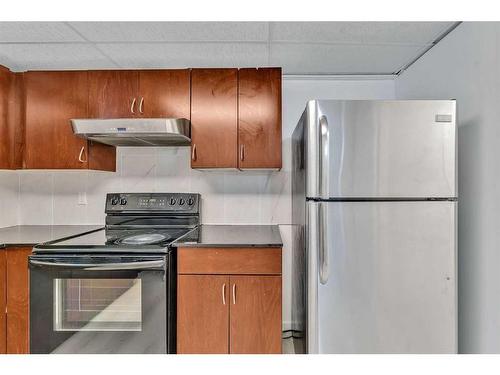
(143, 265)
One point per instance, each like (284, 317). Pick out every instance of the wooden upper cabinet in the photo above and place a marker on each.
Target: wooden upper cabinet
(113, 94)
(259, 118)
(5, 145)
(164, 93)
(52, 99)
(255, 319)
(11, 119)
(214, 118)
(17, 300)
(202, 314)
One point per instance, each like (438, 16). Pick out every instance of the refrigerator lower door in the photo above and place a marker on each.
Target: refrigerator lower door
(381, 277)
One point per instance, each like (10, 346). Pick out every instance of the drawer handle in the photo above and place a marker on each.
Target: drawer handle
(234, 294)
(224, 293)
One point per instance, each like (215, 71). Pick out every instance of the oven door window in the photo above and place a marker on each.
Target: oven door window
(97, 305)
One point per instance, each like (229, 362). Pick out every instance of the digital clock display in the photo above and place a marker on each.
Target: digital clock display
(151, 202)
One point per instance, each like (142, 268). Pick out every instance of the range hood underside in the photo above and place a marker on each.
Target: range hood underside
(138, 140)
(152, 132)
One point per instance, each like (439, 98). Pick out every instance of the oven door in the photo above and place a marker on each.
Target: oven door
(99, 304)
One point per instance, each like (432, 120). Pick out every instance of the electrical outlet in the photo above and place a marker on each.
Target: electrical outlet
(82, 198)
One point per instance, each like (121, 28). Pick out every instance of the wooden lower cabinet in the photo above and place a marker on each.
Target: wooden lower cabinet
(3, 302)
(17, 285)
(202, 314)
(230, 313)
(255, 322)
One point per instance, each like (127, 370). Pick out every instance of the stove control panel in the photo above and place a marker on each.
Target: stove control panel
(153, 202)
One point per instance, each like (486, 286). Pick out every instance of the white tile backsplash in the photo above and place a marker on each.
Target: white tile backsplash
(36, 197)
(66, 208)
(9, 198)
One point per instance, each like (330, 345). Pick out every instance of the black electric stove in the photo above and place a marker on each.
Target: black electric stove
(136, 223)
(113, 290)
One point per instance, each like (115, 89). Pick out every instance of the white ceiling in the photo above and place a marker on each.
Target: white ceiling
(298, 47)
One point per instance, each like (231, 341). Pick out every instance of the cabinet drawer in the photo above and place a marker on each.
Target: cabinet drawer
(234, 261)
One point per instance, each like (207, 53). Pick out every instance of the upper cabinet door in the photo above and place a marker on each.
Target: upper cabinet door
(113, 94)
(164, 93)
(259, 118)
(5, 149)
(52, 99)
(214, 122)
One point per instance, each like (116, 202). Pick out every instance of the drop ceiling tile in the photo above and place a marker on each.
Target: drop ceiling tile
(341, 58)
(36, 32)
(358, 32)
(53, 56)
(172, 31)
(179, 55)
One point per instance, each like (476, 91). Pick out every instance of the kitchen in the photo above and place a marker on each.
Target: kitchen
(190, 231)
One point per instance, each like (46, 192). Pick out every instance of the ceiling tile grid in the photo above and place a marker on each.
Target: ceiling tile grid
(129, 32)
(298, 47)
(186, 55)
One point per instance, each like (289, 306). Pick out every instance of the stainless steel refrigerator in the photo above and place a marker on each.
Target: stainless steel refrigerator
(375, 205)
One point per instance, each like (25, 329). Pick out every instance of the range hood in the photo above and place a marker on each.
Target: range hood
(135, 132)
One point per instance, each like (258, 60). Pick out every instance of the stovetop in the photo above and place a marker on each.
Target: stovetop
(136, 223)
(125, 242)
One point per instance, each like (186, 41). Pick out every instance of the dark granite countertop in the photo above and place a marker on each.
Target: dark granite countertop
(29, 235)
(232, 236)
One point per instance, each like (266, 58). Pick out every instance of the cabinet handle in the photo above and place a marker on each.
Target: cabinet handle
(242, 152)
(234, 294)
(193, 152)
(80, 157)
(224, 293)
(141, 103)
(132, 106)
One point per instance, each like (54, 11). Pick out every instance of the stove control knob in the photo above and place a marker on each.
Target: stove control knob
(123, 201)
(182, 201)
(172, 201)
(114, 201)
(190, 201)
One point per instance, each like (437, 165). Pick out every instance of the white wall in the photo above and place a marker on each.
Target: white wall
(51, 197)
(466, 66)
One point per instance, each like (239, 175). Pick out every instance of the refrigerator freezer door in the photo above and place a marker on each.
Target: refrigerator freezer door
(380, 149)
(385, 281)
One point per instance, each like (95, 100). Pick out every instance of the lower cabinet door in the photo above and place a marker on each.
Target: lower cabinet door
(3, 301)
(202, 314)
(255, 319)
(17, 300)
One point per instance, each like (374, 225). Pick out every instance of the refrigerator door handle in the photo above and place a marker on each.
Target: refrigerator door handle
(324, 268)
(323, 157)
